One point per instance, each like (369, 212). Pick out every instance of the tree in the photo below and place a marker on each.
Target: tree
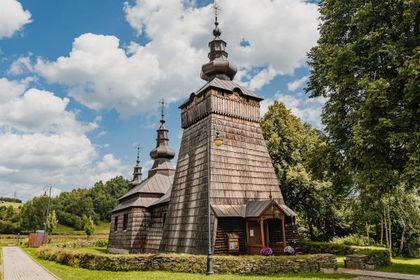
(301, 159)
(33, 213)
(52, 222)
(88, 226)
(367, 63)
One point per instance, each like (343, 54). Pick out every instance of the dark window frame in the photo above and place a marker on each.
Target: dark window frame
(125, 221)
(116, 223)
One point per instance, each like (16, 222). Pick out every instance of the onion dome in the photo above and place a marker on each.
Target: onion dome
(162, 154)
(219, 65)
(162, 149)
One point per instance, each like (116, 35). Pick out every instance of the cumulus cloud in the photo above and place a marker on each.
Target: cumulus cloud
(102, 74)
(294, 85)
(307, 109)
(42, 143)
(12, 18)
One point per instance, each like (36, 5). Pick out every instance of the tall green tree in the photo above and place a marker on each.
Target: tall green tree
(367, 63)
(88, 226)
(52, 222)
(34, 213)
(301, 160)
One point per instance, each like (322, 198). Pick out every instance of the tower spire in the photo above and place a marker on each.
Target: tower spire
(162, 154)
(219, 65)
(137, 170)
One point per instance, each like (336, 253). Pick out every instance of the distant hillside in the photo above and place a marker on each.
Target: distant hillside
(10, 199)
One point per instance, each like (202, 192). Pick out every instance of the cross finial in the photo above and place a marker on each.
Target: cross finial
(138, 154)
(162, 112)
(270, 196)
(216, 9)
(216, 30)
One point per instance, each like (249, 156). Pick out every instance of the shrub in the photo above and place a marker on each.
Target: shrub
(251, 265)
(353, 239)
(377, 255)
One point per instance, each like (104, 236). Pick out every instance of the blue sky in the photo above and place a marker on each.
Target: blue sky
(80, 80)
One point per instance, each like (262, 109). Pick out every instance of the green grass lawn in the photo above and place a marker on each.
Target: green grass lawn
(67, 273)
(403, 265)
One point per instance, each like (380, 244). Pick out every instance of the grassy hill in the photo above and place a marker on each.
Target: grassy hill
(100, 229)
(13, 204)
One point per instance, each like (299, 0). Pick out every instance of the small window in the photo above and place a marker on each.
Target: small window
(116, 223)
(164, 219)
(125, 221)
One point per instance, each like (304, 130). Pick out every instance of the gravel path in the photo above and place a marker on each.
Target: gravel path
(19, 266)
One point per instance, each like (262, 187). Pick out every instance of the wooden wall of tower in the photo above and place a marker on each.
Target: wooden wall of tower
(241, 169)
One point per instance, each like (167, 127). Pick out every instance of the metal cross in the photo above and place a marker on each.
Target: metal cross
(162, 103)
(138, 154)
(216, 9)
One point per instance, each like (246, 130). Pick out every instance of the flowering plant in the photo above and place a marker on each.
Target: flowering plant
(266, 251)
(289, 250)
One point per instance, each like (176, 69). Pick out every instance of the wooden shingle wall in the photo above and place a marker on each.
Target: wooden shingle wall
(241, 169)
(155, 230)
(133, 238)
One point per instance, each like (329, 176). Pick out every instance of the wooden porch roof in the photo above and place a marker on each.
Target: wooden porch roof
(251, 209)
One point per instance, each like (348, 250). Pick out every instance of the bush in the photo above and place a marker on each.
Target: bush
(354, 239)
(377, 255)
(251, 265)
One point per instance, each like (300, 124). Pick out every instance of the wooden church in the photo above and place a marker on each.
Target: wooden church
(223, 169)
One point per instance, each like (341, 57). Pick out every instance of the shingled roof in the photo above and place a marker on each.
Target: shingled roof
(251, 209)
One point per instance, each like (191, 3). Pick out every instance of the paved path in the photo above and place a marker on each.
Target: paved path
(19, 266)
(377, 275)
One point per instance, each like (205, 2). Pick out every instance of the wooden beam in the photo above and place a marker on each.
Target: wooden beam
(284, 232)
(262, 232)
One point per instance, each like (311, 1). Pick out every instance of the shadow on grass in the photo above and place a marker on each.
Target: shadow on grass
(402, 268)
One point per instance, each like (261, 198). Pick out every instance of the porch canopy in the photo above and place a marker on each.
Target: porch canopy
(252, 209)
(264, 223)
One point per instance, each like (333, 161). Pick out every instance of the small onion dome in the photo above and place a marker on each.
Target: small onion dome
(162, 151)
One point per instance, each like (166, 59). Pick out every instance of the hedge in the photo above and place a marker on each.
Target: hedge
(377, 255)
(251, 265)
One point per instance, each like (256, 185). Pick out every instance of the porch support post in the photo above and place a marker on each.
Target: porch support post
(284, 232)
(262, 231)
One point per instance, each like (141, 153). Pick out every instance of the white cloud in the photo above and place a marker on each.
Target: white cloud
(294, 85)
(42, 143)
(12, 17)
(102, 74)
(21, 65)
(307, 109)
(262, 78)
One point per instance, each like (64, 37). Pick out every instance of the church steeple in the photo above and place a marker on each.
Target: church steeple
(219, 65)
(137, 169)
(162, 154)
